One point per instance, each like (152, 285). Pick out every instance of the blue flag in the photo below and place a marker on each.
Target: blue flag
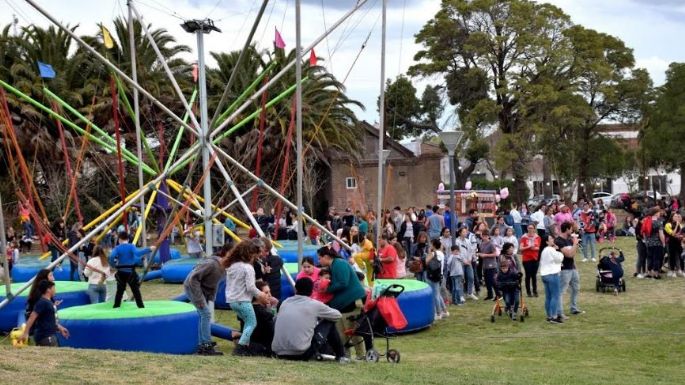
(46, 70)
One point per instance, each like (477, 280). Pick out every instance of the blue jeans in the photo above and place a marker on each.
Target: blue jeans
(245, 311)
(457, 288)
(511, 300)
(468, 275)
(489, 275)
(518, 230)
(204, 330)
(97, 293)
(28, 228)
(569, 278)
(551, 282)
(438, 302)
(589, 245)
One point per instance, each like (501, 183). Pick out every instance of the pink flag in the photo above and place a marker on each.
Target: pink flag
(278, 41)
(312, 58)
(195, 74)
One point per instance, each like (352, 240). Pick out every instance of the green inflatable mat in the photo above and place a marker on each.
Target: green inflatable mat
(62, 287)
(104, 310)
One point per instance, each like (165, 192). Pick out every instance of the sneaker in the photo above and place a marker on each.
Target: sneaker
(438, 317)
(585, 259)
(680, 273)
(462, 300)
(473, 297)
(635, 275)
(241, 350)
(344, 360)
(208, 350)
(671, 274)
(578, 312)
(445, 314)
(489, 299)
(563, 317)
(559, 320)
(555, 320)
(640, 276)
(513, 317)
(594, 259)
(615, 292)
(535, 295)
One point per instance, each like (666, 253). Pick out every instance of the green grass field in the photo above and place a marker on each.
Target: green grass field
(635, 338)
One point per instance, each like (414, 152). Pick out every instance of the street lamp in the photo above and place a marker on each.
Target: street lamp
(450, 139)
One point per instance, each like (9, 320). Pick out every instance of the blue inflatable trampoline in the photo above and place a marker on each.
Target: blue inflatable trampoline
(161, 327)
(416, 303)
(29, 266)
(70, 293)
(176, 270)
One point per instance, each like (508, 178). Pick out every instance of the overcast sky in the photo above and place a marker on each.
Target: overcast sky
(651, 27)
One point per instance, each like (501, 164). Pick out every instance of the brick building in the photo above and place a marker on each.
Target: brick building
(411, 177)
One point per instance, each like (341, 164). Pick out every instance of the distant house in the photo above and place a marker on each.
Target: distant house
(411, 177)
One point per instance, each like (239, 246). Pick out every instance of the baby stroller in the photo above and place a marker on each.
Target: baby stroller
(608, 269)
(497, 308)
(378, 315)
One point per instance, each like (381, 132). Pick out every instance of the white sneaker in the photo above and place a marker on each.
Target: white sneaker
(584, 259)
(438, 317)
(680, 273)
(594, 259)
(462, 299)
(671, 274)
(640, 276)
(473, 297)
(445, 314)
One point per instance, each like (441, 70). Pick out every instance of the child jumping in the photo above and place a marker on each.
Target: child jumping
(125, 257)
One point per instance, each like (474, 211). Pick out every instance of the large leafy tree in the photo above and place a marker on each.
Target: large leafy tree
(664, 136)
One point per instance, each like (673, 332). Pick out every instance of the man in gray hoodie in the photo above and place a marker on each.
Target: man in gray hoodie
(304, 326)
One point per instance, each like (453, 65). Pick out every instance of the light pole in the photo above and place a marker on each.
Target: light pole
(451, 139)
(383, 159)
(200, 28)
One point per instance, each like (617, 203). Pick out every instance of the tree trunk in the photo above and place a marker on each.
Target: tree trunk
(682, 182)
(547, 187)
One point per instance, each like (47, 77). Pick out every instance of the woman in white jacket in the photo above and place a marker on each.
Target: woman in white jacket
(550, 269)
(98, 271)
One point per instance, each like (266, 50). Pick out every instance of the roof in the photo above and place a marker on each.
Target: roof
(387, 141)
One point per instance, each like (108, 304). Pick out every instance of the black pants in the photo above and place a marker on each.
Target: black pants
(543, 241)
(48, 341)
(489, 275)
(641, 265)
(674, 251)
(325, 337)
(130, 278)
(73, 270)
(531, 269)
(655, 256)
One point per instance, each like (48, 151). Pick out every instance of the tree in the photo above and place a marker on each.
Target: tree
(664, 136)
(402, 109)
(490, 52)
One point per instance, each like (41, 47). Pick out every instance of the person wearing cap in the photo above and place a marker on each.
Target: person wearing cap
(305, 326)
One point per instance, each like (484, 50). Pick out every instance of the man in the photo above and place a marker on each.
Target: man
(568, 245)
(588, 222)
(304, 327)
(388, 257)
(488, 253)
(348, 218)
(270, 266)
(125, 257)
(329, 220)
(436, 222)
(397, 217)
(429, 210)
(471, 220)
(42, 318)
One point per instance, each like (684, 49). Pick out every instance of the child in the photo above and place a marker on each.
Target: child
(43, 319)
(309, 270)
(125, 257)
(12, 256)
(321, 285)
(507, 285)
(613, 263)
(455, 266)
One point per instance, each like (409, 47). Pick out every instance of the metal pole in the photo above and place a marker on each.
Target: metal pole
(298, 129)
(381, 129)
(136, 119)
(204, 126)
(453, 210)
(3, 251)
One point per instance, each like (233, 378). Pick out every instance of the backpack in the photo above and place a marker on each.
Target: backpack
(376, 262)
(434, 269)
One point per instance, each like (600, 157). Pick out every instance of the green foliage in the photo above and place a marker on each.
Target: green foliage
(402, 108)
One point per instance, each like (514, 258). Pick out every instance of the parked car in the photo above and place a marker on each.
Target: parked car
(537, 200)
(604, 196)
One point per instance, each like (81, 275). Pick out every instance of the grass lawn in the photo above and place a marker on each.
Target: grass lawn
(635, 338)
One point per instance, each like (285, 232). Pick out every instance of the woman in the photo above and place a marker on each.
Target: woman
(74, 235)
(401, 259)
(59, 230)
(407, 233)
(550, 270)
(510, 237)
(388, 225)
(34, 293)
(517, 218)
(674, 231)
(438, 301)
(653, 235)
(418, 262)
(467, 249)
(550, 224)
(530, 246)
(97, 271)
(508, 255)
(641, 262)
(309, 270)
(446, 240)
(241, 289)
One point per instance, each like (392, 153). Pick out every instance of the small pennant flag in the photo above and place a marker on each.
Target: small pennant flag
(312, 58)
(46, 71)
(107, 37)
(195, 73)
(278, 40)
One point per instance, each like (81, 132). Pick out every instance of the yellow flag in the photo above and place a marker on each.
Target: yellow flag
(107, 37)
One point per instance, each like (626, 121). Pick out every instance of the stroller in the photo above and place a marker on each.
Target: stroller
(606, 269)
(374, 321)
(497, 308)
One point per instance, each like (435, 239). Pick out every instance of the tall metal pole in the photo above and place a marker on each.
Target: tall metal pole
(204, 130)
(136, 119)
(298, 128)
(381, 130)
(3, 245)
(453, 211)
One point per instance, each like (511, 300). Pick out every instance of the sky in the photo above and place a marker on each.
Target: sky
(651, 27)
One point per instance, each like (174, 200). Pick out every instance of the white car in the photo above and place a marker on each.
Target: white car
(604, 196)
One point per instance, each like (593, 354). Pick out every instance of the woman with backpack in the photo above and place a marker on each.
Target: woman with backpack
(418, 260)
(434, 271)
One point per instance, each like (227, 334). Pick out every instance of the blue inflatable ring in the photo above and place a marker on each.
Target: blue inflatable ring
(70, 293)
(161, 327)
(416, 303)
(29, 266)
(176, 270)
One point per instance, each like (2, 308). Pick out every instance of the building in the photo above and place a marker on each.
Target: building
(411, 177)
